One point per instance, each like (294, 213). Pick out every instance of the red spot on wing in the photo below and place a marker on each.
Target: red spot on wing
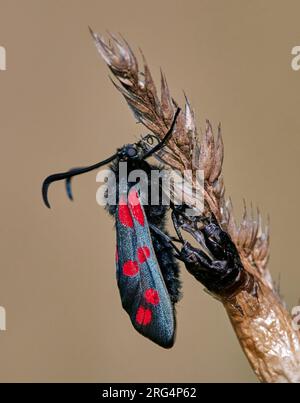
(135, 206)
(130, 268)
(143, 316)
(151, 296)
(124, 213)
(143, 253)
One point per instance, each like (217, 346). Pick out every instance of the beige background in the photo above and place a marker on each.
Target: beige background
(58, 109)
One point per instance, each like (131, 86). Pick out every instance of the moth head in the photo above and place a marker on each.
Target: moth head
(130, 152)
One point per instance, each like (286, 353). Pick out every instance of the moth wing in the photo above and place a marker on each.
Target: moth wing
(142, 288)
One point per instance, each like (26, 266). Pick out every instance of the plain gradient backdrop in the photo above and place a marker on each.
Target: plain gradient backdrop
(58, 109)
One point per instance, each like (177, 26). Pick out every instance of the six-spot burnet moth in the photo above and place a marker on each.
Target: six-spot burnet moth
(147, 272)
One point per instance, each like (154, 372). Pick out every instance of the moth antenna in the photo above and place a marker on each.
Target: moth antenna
(165, 138)
(68, 175)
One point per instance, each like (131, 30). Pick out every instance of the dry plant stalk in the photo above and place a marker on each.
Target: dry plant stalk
(257, 314)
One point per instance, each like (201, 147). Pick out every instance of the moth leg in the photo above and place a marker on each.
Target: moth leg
(188, 224)
(166, 237)
(176, 226)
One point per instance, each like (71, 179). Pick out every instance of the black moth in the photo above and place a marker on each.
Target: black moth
(147, 272)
